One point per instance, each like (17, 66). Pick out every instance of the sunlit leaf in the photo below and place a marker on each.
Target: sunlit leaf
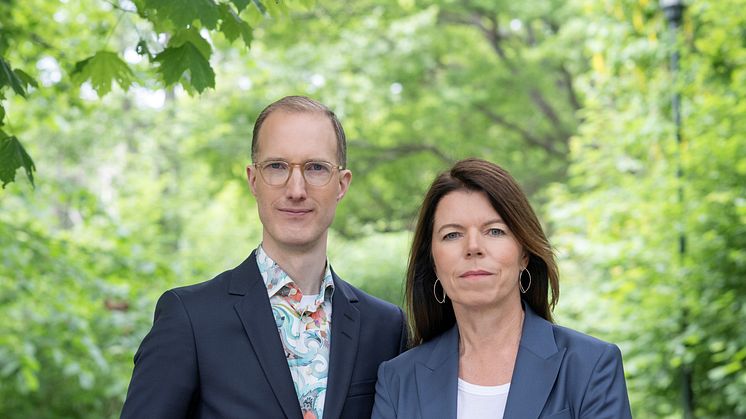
(101, 70)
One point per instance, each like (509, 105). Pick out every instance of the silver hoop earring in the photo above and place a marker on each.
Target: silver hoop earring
(435, 294)
(520, 281)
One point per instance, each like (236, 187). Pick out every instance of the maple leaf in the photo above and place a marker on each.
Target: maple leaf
(233, 26)
(12, 157)
(10, 78)
(176, 62)
(102, 68)
(183, 12)
(191, 35)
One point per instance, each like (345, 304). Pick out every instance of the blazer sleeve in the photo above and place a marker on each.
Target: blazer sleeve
(165, 377)
(606, 394)
(383, 406)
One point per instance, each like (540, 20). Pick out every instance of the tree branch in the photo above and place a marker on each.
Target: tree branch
(567, 82)
(545, 107)
(546, 145)
(490, 33)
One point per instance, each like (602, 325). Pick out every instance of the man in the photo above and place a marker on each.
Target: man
(279, 336)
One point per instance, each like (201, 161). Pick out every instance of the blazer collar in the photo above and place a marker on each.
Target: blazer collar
(255, 313)
(437, 377)
(536, 368)
(345, 336)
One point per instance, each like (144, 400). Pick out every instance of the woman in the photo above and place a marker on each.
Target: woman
(478, 288)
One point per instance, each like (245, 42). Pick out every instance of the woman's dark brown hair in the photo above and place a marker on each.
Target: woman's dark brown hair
(429, 318)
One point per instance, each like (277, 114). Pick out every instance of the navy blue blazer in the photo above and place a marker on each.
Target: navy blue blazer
(559, 373)
(214, 352)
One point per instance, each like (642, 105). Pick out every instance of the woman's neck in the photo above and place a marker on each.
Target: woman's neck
(488, 343)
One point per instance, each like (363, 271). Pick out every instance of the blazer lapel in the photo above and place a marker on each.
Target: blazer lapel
(536, 368)
(255, 313)
(344, 340)
(437, 379)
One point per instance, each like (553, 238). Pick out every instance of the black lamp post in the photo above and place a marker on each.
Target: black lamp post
(674, 12)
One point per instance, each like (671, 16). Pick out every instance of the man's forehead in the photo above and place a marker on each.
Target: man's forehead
(286, 132)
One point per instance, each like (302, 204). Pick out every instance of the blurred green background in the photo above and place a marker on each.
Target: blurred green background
(140, 186)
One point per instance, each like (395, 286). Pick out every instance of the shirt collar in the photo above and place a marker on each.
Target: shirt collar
(275, 279)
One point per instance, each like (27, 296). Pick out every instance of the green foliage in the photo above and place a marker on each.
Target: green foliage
(184, 59)
(675, 314)
(10, 77)
(101, 70)
(187, 54)
(12, 157)
(233, 26)
(144, 189)
(183, 13)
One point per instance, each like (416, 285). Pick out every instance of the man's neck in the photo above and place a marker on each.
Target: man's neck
(304, 266)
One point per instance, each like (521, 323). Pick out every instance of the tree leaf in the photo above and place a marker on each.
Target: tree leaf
(240, 4)
(191, 35)
(183, 12)
(26, 79)
(233, 26)
(9, 78)
(101, 69)
(176, 61)
(12, 157)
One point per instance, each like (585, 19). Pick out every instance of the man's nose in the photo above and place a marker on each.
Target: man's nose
(296, 185)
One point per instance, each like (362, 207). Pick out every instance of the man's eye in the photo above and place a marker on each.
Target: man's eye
(316, 167)
(277, 165)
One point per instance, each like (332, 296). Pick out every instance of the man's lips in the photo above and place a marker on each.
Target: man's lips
(474, 273)
(294, 211)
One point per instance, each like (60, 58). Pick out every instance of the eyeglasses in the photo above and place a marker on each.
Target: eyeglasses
(315, 173)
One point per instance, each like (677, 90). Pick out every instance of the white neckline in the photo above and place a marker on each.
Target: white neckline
(478, 390)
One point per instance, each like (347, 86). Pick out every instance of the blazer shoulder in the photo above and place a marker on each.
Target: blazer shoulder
(367, 303)
(232, 281)
(576, 341)
(586, 353)
(201, 289)
(406, 361)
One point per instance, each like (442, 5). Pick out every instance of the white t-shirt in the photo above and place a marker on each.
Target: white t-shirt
(479, 402)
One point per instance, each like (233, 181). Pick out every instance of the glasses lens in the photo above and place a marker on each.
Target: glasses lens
(317, 173)
(275, 172)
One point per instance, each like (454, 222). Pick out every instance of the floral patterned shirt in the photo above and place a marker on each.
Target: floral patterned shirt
(305, 331)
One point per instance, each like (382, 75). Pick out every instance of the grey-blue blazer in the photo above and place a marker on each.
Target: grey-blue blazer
(559, 373)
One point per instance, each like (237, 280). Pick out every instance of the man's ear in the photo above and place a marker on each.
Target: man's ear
(345, 178)
(251, 177)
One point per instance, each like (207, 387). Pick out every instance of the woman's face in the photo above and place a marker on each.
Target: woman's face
(477, 258)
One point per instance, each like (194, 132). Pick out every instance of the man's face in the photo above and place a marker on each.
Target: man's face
(297, 216)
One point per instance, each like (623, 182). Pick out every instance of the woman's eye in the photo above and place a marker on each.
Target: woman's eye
(496, 232)
(451, 236)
